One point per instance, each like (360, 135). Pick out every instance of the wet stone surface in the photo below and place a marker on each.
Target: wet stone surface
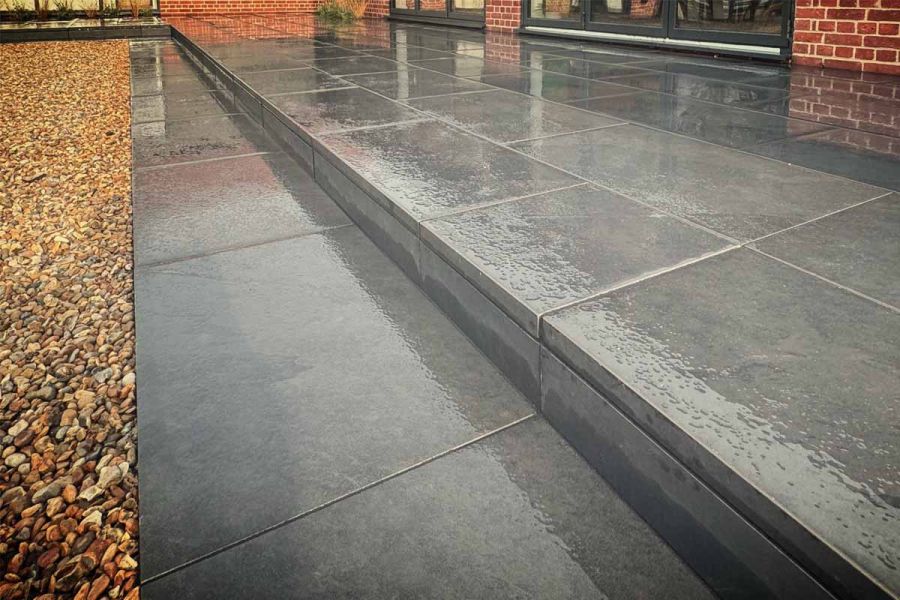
(539, 521)
(160, 107)
(553, 249)
(498, 115)
(189, 210)
(292, 80)
(428, 169)
(556, 87)
(730, 192)
(708, 122)
(768, 396)
(312, 329)
(161, 143)
(857, 248)
(340, 109)
(404, 84)
(778, 382)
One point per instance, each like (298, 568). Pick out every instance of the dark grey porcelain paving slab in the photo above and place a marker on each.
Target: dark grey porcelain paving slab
(587, 69)
(465, 66)
(778, 389)
(195, 209)
(266, 61)
(405, 84)
(506, 116)
(426, 169)
(700, 88)
(354, 65)
(170, 107)
(518, 515)
(279, 377)
(404, 53)
(610, 57)
(180, 84)
(554, 86)
(725, 70)
(169, 67)
(854, 154)
(539, 253)
(858, 248)
(318, 52)
(731, 192)
(340, 109)
(701, 120)
(162, 142)
(293, 80)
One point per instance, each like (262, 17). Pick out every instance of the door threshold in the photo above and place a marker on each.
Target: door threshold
(467, 23)
(768, 52)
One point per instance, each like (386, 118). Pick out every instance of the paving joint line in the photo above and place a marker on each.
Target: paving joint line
(315, 91)
(841, 286)
(819, 218)
(338, 499)
(637, 280)
(189, 257)
(183, 119)
(492, 203)
(554, 135)
(204, 160)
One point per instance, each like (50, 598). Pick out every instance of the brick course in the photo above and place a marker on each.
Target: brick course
(858, 35)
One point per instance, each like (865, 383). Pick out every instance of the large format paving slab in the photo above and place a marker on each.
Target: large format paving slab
(518, 515)
(313, 426)
(737, 230)
(735, 194)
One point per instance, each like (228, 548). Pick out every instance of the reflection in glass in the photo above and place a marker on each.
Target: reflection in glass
(565, 10)
(433, 6)
(468, 6)
(634, 12)
(404, 4)
(749, 16)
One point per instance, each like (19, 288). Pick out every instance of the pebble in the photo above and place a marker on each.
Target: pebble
(68, 492)
(15, 459)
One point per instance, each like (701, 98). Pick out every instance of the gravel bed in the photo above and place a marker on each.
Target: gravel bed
(68, 486)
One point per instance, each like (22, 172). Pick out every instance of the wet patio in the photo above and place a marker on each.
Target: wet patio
(690, 266)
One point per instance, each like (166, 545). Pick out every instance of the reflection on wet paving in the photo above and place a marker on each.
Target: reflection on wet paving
(731, 282)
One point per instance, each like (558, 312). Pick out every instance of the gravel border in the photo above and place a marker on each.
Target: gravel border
(68, 486)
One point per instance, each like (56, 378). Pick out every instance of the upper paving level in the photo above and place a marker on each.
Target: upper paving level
(689, 265)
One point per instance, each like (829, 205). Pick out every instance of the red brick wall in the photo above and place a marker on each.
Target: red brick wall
(502, 15)
(860, 35)
(378, 8)
(170, 8)
(174, 8)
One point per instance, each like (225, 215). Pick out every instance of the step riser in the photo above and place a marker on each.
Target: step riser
(732, 555)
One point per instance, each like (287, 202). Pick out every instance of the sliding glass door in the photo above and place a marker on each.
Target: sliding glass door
(751, 22)
(450, 9)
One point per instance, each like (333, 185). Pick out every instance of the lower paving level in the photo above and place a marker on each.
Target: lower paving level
(689, 266)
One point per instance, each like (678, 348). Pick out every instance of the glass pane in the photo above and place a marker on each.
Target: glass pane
(468, 6)
(748, 16)
(404, 4)
(627, 12)
(433, 5)
(568, 10)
